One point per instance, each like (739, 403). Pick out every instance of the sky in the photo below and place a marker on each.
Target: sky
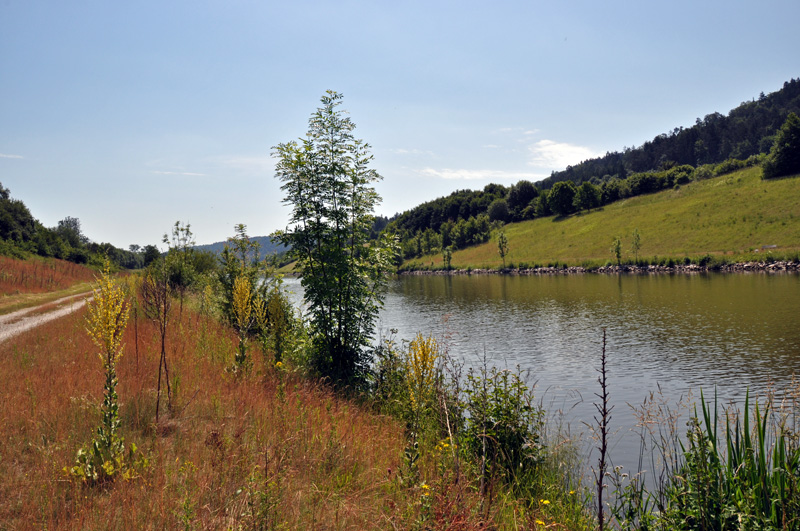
(131, 116)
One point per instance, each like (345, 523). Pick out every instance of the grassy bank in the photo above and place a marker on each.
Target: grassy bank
(265, 448)
(734, 217)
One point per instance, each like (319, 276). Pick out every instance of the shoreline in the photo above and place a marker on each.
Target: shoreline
(740, 267)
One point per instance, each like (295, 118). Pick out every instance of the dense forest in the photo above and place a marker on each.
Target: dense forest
(715, 145)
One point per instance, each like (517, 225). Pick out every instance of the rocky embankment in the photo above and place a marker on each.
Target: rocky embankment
(766, 267)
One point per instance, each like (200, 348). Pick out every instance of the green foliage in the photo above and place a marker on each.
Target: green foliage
(498, 210)
(21, 233)
(616, 249)
(784, 157)
(746, 478)
(502, 246)
(561, 198)
(328, 183)
(240, 258)
(447, 257)
(587, 196)
(502, 424)
(636, 244)
(179, 260)
(519, 198)
(746, 131)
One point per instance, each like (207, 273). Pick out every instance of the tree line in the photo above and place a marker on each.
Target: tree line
(714, 146)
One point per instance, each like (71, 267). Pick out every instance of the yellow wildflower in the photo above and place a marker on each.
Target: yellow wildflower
(108, 316)
(421, 363)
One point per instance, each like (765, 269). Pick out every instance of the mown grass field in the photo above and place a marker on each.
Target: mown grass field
(731, 215)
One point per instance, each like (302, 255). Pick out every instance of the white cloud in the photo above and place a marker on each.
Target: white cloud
(264, 165)
(558, 155)
(6, 156)
(191, 174)
(475, 175)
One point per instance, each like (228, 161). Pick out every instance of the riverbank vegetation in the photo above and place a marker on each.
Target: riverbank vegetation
(266, 445)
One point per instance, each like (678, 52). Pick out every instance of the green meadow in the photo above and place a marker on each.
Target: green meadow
(738, 216)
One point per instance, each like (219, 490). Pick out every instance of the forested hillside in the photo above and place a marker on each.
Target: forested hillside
(715, 145)
(747, 130)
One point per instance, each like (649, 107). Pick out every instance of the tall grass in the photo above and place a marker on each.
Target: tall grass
(265, 449)
(734, 469)
(234, 452)
(37, 275)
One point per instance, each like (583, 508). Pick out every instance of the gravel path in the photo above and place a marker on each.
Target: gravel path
(17, 322)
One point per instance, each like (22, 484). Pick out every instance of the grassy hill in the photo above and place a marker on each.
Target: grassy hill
(735, 215)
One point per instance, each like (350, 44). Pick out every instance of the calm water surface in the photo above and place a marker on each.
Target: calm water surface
(677, 332)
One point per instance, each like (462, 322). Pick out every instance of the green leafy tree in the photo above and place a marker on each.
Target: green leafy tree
(447, 257)
(328, 183)
(151, 254)
(784, 157)
(616, 249)
(519, 197)
(180, 259)
(541, 205)
(502, 246)
(561, 198)
(587, 196)
(498, 210)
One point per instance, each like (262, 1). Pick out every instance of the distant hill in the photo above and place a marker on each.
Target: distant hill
(268, 246)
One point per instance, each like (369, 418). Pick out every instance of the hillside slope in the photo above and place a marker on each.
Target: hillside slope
(734, 214)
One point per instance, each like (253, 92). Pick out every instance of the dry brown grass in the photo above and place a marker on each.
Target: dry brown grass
(266, 449)
(38, 275)
(234, 450)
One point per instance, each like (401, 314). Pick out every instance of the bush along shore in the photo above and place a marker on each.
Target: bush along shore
(737, 267)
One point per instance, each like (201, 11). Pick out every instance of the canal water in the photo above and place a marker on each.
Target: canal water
(668, 334)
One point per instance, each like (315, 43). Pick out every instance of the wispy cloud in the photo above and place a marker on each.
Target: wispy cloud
(558, 155)
(7, 156)
(258, 165)
(402, 151)
(188, 173)
(476, 175)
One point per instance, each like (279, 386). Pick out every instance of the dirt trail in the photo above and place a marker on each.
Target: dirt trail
(17, 322)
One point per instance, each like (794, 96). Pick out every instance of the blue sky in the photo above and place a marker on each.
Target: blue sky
(132, 115)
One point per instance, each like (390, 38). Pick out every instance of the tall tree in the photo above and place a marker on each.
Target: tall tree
(784, 158)
(561, 198)
(328, 183)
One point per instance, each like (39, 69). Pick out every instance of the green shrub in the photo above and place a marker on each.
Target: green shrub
(503, 425)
